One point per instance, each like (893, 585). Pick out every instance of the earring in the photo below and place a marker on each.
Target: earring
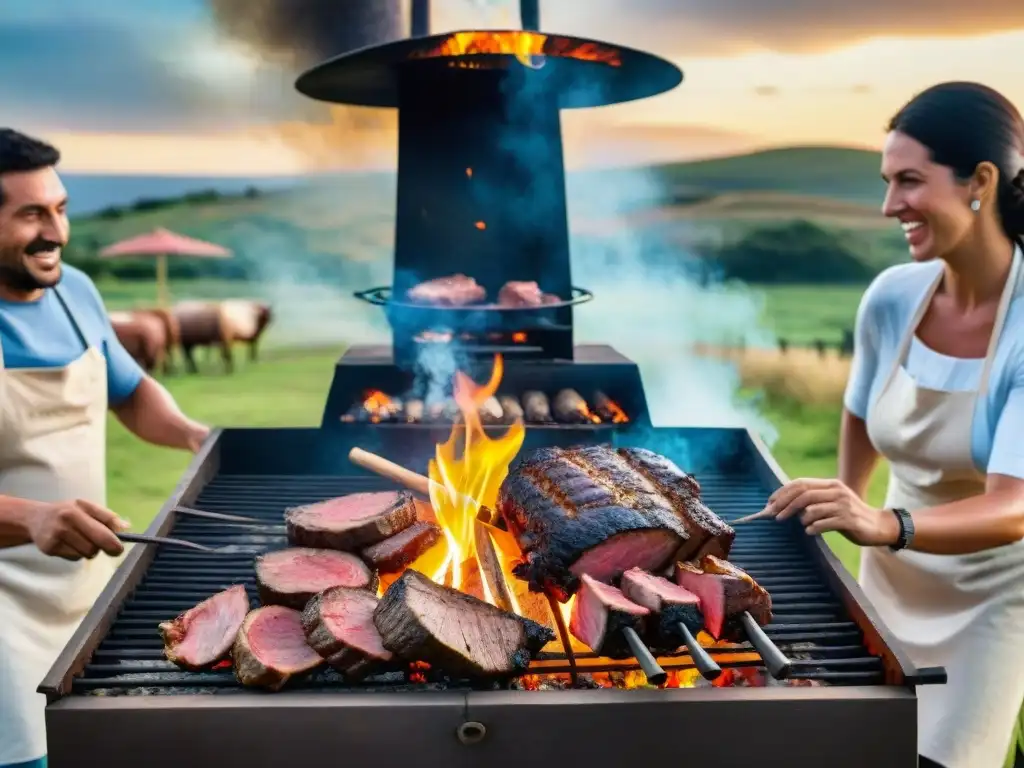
(975, 205)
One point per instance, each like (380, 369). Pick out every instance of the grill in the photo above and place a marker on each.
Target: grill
(112, 686)
(460, 100)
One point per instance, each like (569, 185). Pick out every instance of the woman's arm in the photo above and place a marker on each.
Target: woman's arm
(857, 456)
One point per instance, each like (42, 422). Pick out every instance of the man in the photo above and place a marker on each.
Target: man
(61, 367)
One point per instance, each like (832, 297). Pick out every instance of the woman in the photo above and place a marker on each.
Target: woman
(937, 388)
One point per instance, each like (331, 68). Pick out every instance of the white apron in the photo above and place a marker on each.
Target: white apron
(963, 612)
(52, 448)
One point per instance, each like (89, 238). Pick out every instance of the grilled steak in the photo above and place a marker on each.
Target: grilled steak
(599, 616)
(709, 534)
(350, 522)
(423, 621)
(395, 553)
(725, 591)
(203, 635)
(672, 604)
(291, 577)
(452, 291)
(599, 511)
(271, 648)
(339, 626)
(523, 293)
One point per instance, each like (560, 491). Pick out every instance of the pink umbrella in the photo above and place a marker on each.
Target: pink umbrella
(163, 243)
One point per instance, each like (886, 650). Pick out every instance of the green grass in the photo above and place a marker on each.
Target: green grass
(803, 313)
(141, 476)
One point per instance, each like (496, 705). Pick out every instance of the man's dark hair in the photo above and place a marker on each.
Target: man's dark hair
(20, 153)
(964, 125)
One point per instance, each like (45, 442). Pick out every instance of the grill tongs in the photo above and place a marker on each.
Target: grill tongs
(141, 538)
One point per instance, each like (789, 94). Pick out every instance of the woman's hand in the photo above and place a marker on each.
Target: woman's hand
(829, 505)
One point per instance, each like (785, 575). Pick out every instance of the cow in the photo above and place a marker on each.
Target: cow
(144, 336)
(213, 324)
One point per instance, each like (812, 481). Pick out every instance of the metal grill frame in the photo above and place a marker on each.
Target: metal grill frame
(209, 725)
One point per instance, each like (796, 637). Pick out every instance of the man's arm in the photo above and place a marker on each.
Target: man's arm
(151, 414)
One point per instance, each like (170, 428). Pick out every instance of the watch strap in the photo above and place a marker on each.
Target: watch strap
(906, 523)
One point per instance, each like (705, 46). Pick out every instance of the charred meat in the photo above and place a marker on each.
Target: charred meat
(271, 648)
(291, 577)
(203, 635)
(423, 621)
(524, 293)
(599, 616)
(351, 522)
(725, 592)
(672, 605)
(598, 511)
(395, 553)
(452, 291)
(339, 626)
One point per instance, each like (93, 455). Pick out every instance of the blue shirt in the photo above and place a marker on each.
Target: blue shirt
(884, 317)
(39, 334)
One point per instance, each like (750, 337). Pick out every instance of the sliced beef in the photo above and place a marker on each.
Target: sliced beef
(709, 534)
(600, 614)
(271, 648)
(524, 293)
(203, 635)
(672, 604)
(339, 626)
(455, 632)
(725, 592)
(351, 522)
(395, 553)
(291, 577)
(452, 291)
(587, 511)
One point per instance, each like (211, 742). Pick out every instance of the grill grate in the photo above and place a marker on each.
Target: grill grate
(810, 622)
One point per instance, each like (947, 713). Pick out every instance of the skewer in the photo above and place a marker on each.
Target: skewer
(762, 515)
(652, 669)
(563, 633)
(702, 660)
(778, 665)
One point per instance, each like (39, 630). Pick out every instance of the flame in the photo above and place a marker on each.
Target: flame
(481, 225)
(614, 412)
(377, 403)
(524, 45)
(584, 409)
(519, 337)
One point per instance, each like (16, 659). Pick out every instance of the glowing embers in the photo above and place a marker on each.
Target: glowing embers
(526, 47)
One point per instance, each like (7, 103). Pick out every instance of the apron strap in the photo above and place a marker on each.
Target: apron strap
(908, 337)
(997, 327)
(59, 293)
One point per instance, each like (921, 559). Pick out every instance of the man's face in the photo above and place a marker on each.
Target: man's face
(33, 230)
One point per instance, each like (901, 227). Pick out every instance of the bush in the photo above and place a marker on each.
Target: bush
(800, 252)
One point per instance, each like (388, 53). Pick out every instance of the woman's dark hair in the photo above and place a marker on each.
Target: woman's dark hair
(19, 153)
(964, 125)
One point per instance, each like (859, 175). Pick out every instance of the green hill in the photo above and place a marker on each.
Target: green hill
(340, 228)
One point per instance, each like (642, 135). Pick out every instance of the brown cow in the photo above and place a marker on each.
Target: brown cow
(209, 324)
(144, 336)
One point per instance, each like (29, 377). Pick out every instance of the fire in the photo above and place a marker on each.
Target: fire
(481, 225)
(524, 45)
(519, 337)
(376, 403)
(616, 414)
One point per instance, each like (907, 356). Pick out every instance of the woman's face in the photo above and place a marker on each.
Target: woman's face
(934, 210)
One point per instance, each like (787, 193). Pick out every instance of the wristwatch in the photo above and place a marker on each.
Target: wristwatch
(906, 529)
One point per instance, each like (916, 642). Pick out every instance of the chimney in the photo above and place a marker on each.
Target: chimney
(420, 18)
(529, 11)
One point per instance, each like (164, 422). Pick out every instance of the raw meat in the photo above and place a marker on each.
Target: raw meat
(725, 591)
(203, 635)
(339, 626)
(455, 632)
(453, 291)
(522, 293)
(671, 603)
(709, 534)
(291, 577)
(271, 648)
(395, 553)
(351, 522)
(600, 614)
(590, 510)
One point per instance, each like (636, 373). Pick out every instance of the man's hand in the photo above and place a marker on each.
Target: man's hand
(75, 529)
(829, 505)
(197, 436)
